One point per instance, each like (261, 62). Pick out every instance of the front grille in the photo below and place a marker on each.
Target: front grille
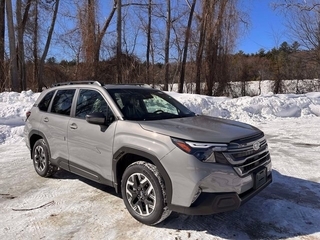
(244, 153)
(253, 163)
(244, 157)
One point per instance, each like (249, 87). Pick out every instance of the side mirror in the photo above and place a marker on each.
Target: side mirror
(96, 118)
(110, 119)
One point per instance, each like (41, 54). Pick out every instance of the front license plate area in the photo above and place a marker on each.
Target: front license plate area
(260, 177)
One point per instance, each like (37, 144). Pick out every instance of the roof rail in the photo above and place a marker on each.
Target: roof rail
(135, 84)
(76, 82)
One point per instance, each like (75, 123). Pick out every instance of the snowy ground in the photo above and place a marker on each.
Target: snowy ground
(70, 207)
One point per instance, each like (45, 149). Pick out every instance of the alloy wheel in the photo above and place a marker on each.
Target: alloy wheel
(140, 194)
(39, 158)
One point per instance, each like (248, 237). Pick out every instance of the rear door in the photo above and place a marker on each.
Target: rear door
(54, 125)
(90, 145)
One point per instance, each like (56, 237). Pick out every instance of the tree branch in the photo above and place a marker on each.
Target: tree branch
(30, 209)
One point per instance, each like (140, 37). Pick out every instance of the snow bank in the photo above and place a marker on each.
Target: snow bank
(13, 107)
(260, 108)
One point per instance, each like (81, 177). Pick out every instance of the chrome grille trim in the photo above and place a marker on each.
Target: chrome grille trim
(245, 159)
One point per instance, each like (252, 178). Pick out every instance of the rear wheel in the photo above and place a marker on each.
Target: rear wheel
(143, 193)
(41, 162)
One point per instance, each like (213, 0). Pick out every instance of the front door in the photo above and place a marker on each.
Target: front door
(90, 145)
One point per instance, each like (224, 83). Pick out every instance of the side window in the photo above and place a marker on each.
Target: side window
(62, 102)
(90, 101)
(45, 102)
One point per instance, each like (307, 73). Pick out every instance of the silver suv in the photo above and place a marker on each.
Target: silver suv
(158, 154)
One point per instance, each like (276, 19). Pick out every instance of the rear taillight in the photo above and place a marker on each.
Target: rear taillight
(28, 115)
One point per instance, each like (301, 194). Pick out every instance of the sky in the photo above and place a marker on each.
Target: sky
(266, 30)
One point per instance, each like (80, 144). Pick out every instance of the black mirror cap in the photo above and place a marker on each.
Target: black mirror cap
(96, 118)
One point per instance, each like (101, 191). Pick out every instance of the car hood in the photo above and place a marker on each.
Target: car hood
(201, 128)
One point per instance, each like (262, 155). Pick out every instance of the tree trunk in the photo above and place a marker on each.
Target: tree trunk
(21, 30)
(90, 37)
(167, 42)
(102, 33)
(185, 48)
(203, 27)
(2, 43)
(36, 79)
(46, 48)
(20, 47)
(119, 42)
(148, 42)
(91, 28)
(12, 47)
(221, 50)
(211, 45)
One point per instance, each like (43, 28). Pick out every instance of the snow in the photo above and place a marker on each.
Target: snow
(67, 206)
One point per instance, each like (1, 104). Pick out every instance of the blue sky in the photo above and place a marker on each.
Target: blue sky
(266, 30)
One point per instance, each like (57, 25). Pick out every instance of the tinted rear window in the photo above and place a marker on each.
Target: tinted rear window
(45, 102)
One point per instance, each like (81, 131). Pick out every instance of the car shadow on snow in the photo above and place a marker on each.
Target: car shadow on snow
(289, 207)
(62, 174)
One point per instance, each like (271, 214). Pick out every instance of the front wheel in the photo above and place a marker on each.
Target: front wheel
(41, 162)
(143, 193)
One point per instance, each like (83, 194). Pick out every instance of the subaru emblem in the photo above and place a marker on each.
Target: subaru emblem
(256, 146)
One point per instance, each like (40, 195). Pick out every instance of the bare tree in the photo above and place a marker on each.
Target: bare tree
(2, 43)
(103, 31)
(21, 25)
(35, 48)
(92, 34)
(185, 48)
(148, 42)
(220, 32)
(47, 45)
(303, 21)
(199, 56)
(166, 46)
(90, 29)
(12, 47)
(119, 41)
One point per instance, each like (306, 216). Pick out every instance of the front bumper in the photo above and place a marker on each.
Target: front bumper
(211, 203)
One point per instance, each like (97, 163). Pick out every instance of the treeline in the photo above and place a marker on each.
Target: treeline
(283, 63)
(143, 41)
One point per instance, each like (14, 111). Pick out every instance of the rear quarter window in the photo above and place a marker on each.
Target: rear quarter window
(45, 102)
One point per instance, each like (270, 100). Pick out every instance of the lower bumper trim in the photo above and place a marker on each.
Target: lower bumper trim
(211, 203)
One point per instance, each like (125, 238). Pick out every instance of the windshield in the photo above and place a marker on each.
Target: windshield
(148, 104)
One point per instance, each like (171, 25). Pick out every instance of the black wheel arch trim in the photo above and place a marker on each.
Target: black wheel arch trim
(36, 132)
(127, 150)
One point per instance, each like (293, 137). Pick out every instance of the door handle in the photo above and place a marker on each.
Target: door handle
(73, 126)
(46, 119)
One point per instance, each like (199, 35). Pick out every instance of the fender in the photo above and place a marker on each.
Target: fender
(127, 150)
(63, 163)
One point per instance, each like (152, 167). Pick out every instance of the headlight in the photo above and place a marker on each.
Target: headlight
(205, 152)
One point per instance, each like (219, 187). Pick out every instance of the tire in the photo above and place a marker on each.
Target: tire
(143, 193)
(40, 157)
